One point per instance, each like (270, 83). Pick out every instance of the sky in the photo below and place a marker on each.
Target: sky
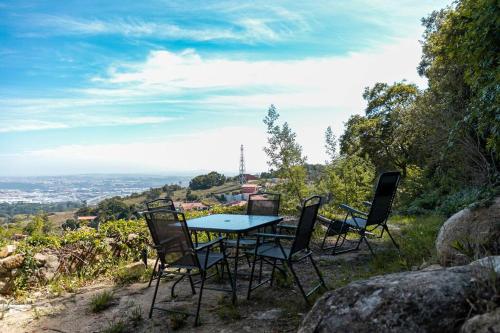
(175, 87)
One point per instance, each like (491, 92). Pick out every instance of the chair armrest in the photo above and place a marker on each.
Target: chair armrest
(286, 226)
(367, 203)
(209, 244)
(265, 235)
(352, 210)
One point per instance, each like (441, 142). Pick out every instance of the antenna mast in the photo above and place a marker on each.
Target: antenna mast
(242, 166)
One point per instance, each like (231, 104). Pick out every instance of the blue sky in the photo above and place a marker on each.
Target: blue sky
(171, 86)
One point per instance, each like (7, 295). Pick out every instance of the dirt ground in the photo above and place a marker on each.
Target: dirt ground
(277, 309)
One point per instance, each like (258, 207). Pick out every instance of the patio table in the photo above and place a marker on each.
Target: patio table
(232, 224)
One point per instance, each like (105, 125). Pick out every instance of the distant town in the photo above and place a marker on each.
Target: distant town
(88, 189)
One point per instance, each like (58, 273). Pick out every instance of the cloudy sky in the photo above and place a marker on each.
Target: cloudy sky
(177, 86)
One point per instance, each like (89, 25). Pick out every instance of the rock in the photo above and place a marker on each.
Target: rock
(7, 250)
(40, 259)
(50, 267)
(132, 237)
(19, 236)
(420, 301)
(12, 262)
(135, 268)
(268, 315)
(484, 323)
(475, 230)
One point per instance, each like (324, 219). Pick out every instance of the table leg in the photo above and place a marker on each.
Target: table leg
(235, 274)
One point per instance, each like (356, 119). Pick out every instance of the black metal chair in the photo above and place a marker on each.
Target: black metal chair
(289, 255)
(177, 254)
(262, 204)
(162, 203)
(364, 223)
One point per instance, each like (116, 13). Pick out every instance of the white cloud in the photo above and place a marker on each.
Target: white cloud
(328, 82)
(248, 30)
(209, 150)
(30, 125)
(79, 120)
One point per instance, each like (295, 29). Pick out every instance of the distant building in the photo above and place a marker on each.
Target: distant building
(249, 188)
(89, 218)
(250, 177)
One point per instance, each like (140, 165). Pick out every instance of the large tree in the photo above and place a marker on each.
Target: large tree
(385, 134)
(285, 155)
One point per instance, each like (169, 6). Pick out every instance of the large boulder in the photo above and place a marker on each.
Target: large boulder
(469, 233)
(7, 250)
(417, 301)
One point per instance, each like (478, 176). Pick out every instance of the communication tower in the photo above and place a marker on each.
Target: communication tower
(242, 166)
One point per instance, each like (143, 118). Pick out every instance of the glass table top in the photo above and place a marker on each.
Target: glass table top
(231, 222)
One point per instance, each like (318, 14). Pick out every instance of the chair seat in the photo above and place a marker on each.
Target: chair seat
(273, 251)
(244, 242)
(187, 261)
(356, 222)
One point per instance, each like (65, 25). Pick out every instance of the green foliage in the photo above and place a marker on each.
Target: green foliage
(461, 106)
(203, 182)
(101, 301)
(285, 156)
(11, 209)
(39, 225)
(113, 209)
(349, 179)
(385, 134)
(70, 224)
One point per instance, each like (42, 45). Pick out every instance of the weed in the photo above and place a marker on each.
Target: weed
(115, 326)
(177, 320)
(101, 301)
(226, 310)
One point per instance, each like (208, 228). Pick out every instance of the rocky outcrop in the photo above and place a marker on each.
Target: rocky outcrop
(420, 301)
(469, 233)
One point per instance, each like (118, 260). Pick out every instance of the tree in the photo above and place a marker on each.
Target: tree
(285, 156)
(460, 59)
(384, 135)
(203, 182)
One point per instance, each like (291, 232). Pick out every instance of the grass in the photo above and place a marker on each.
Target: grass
(115, 326)
(226, 310)
(416, 237)
(101, 301)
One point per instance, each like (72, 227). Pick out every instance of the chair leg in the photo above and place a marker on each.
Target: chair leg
(251, 277)
(196, 320)
(369, 246)
(260, 270)
(160, 273)
(272, 272)
(153, 273)
(390, 236)
(193, 291)
(298, 282)
(172, 291)
(233, 287)
(317, 271)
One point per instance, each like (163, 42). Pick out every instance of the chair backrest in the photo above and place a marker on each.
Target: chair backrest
(170, 235)
(163, 203)
(263, 204)
(305, 226)
(383, 198)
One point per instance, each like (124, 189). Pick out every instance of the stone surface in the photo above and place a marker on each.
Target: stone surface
(420, 301)
(12, 262)
(474, 229)
(50, 267)
(7, 250)
(485, 323)
(268, 315)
